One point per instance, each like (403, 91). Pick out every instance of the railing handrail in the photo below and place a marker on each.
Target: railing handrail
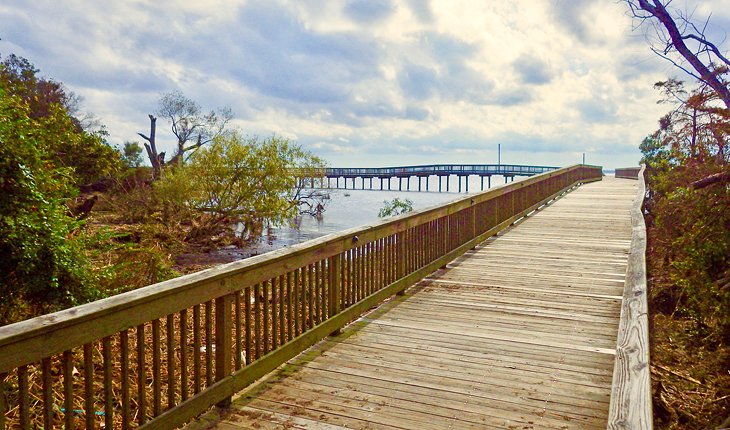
(439, 168)
(33, 340)
(628, 172)
(631, 402)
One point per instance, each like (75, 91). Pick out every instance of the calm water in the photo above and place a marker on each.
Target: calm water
(355, 207)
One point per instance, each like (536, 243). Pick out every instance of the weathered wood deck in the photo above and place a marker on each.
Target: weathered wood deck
(520, 333)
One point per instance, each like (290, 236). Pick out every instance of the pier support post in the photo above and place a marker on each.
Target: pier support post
(489, 182)
(466, 182)
(427, 177)
(482, 177)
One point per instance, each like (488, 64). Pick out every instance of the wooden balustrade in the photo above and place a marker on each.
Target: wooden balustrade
(630, 406)
(628, 172)
(160, 355)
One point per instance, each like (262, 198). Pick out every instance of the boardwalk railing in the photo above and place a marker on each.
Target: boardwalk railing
(628, 172)
(160, 355)
(438, 169)
(630, 406)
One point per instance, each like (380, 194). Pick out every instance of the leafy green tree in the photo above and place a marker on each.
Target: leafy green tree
(86, 153)
(131, 154)
(236, 180)
(395, 207)
(43, 265)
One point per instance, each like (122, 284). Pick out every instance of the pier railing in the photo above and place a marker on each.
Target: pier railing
(628, 172)
(160, 355)
(438, 169)
(630, 406)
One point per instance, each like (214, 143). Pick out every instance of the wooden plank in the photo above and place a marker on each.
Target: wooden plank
(410, 397)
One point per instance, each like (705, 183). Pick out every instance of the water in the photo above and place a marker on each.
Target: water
(350, 208)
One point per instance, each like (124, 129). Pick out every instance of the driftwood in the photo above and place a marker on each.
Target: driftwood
(712, 179)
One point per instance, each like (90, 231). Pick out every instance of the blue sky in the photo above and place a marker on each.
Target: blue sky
(367, 82)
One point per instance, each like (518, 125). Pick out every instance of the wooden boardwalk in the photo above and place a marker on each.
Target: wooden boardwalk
(519, 333)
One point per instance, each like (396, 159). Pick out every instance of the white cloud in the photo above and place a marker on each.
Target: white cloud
(374, 82)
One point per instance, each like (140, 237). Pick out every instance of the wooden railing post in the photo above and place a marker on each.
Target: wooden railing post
(335, 284)
(223, 333)
(400, 257)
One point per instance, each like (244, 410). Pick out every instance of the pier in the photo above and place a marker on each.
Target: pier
(522, 307)
(421, 174)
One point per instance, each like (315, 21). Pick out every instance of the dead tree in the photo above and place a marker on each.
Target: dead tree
(192, 127)
(707, 62)
(156, 159)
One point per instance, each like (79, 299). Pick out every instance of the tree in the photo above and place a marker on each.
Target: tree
(235, 180)
(43, 265)
(395, 207)
(191, 126)
(86, 153)
(679, 36)
(132, 154)
(695, 129)
(21, 78)
(157, 159)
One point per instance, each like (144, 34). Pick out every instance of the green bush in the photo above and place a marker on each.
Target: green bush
(43, 264)
(395, 207)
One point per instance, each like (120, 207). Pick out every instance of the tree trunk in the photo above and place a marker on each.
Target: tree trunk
(157, 160)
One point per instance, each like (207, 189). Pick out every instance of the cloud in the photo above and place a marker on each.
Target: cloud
(418, 82)
(421, 9)
(532, 70)
(369, 11)
(597, 110)
(374, 78)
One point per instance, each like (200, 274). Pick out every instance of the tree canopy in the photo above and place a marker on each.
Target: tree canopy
(239, 179)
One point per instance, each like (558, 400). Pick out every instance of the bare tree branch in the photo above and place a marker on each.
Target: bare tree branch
(675, 40)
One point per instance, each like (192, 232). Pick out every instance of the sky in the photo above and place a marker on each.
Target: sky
(367, 82)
